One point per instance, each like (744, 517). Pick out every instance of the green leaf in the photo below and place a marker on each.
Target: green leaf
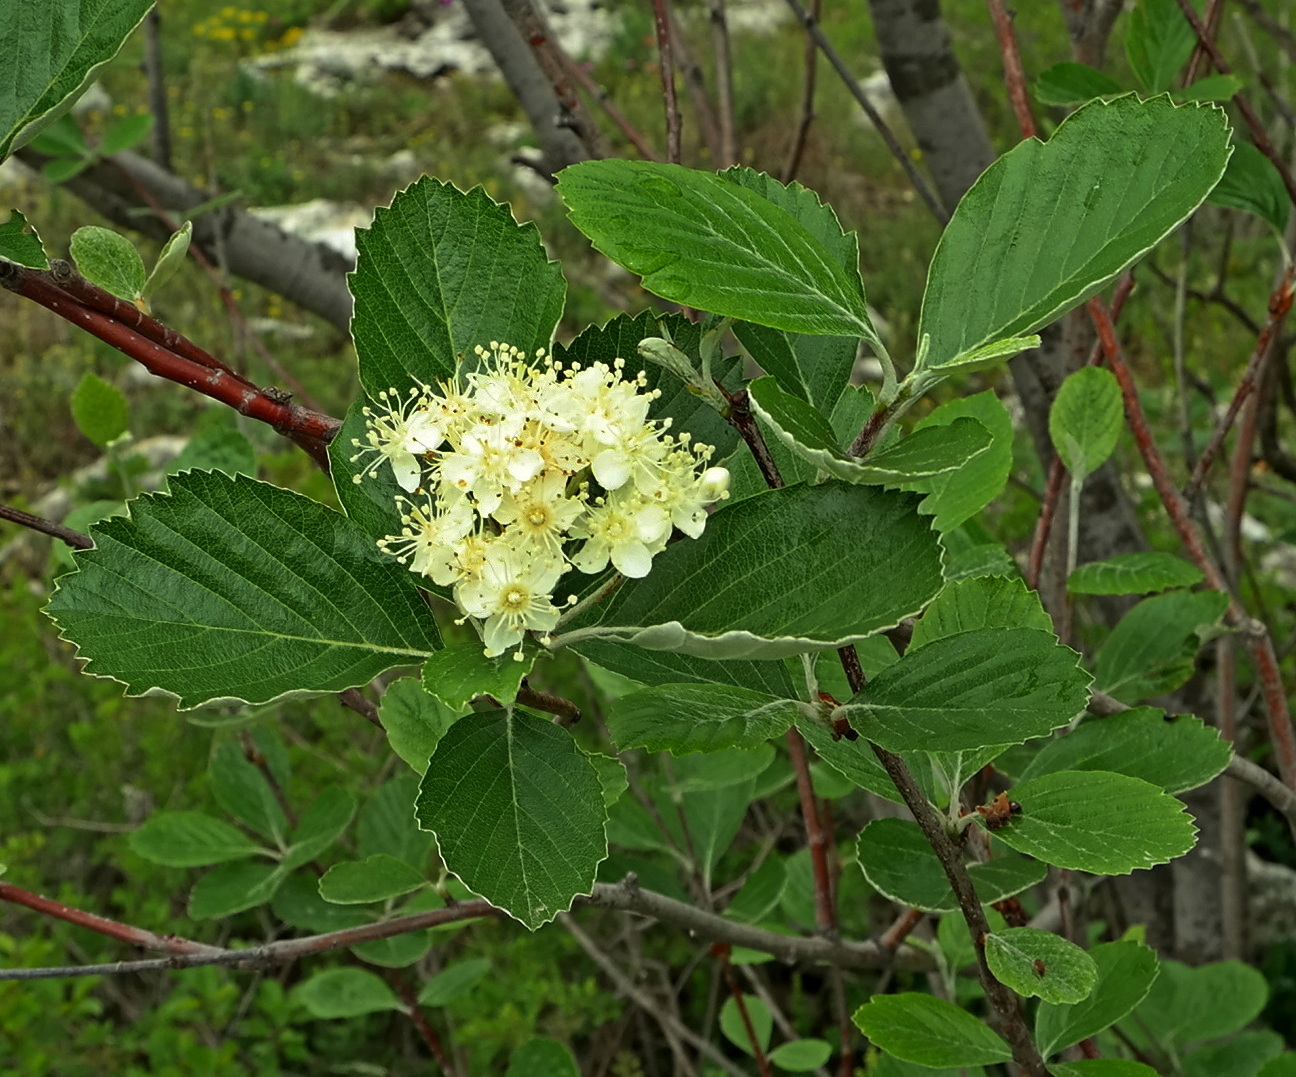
(215, 447)
(1048, 224)
(451, 984)
(386, 824)
(707, 242)
(233, 887)
(229, 589)
(1252, 184)
(721, 769)
(792, 570)
(955, 496)
(1069, 83)
(1086, 419)
(99, 409)
(612, 776)
(1033, 962)
(396, 951)
(1242, 1056)
(109, 260)
(1159, 42)
(899, 863)
(982, 559)
(170, 260)
(1189, 1005)
(298, 904)
(968, 691)
(460, 673)
(731, 1023)
(663, 667)
(1102, 1067)
(415, 721)
(19, 242)
(62, 169)
(1151, 651)
(929, 1031)
(760, 892)
(52, 52)
(1210, 88)
(683, 718)
(375, 878)
(1125, 973)
(320, 826)
(1284, 1065)
(817, 369)
(544, 801)
(808, 433)
(370, 503)
(63, 138)
(190, 839)
(441, 272)
(335, 994)
(1109, 824)
(1176, 753)
(980, 602)
(855, 760)
(542, 1057)
(801, 1056)
(242, 789)
(1133, 574)
(125, 133)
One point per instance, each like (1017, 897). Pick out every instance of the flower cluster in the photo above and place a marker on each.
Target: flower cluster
(524, 469)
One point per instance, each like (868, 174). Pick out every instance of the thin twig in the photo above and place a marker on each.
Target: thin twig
(724, 84)
(720, 951)
(418, 1018)
(806, 110)
(1014, 73)
(661, 21)
(75, 539)
(604, 101)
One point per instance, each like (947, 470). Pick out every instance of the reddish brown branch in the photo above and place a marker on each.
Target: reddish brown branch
(720, 951)
(825, 910)
(666, 57)
(1014, 73)
(893, 936)
(419, 1019)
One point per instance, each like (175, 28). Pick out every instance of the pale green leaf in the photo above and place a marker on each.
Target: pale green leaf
(99, 409)
(1033, 962)
(52, 51)
(451, 984)
(415, 721)
(1244, 1055)
(544, 799)
(611, 774)
(190, 839)
(973, 690)
(980, 602)
(20, 243)
(298, 904)
(735, 1030)
(707, 242)
(170, 260)
(1177, 752)
(335, 994)
(375, 878)
(1125, 974)
(1086, 419)
(1210, 88)
(1133, 574)
(321, 825)
(683, 718)
(125, 133)
(792, 570)
(1069, 83)
(1151, 649)
(1252, 184)
(542, 1057)
(929, 1031)
(233, 887)
(395, 951)
(109, 260)
(441, 272)
(1048, 224)
(230, 588)
(1189, 1005)
(386, 824)
(214, 446)
(243, 790)
(460, 673)
(1108, 824)
(801, 1056)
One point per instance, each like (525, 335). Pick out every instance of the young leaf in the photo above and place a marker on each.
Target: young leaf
(99, 409)
(242, 789)
(335, 994)
(415, 721)
(792, 570)
(1159, 42)
(966, 692)
(170, 260)
(731, 1023)
(929, 1031)
(1108, 824)
(321, 825)
(705, 241)
(1125, 973)
(1151, 650)
(1210, 88)
(375, 878)
(1253, 185)
(441, 272)
(1086, 419)
(683, 718)
(543, 798)
(232, 588)
(460, 673)
(1133, 574)
(1175, 752)
(231, 888)
(1188, 1005)
(190, 839)
(1033, 962)
(1115, 178)
(980, 602)
(454, 982)
(51, 54)
(955, 496)
(109, 260)
(1069, 83)
(19, 243)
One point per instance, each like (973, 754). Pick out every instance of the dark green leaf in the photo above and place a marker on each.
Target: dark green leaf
(99, 410)
(735, 1030)
(459, 674)
(929, 1031)
(414, 720)
(335, 994)
(321, 825)
(231, 888)
(1125, 973)
(386, 824)
(453, 983)
(19, 243)
(544, 801)
(1210, 88)
(980, 602)
(702, 240)
(1133, 574)
(191, 839)
(1151, 650)
(684, 718)
(1033, 962)
(298, 904)
(1159, 42)
(229, 588)
(1242, 1056)
(395, 951)
(1189, 1005)
(801, 1056)
(542, 1057)
(375, 878)
(1102, 1067)
(441, 272)
(1069, 83)
(241, 788)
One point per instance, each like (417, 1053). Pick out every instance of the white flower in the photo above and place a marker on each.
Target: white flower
(401, 432)
(625, 529)
(491, 462)
(540, 513)
(512, 595)
(430, 537)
